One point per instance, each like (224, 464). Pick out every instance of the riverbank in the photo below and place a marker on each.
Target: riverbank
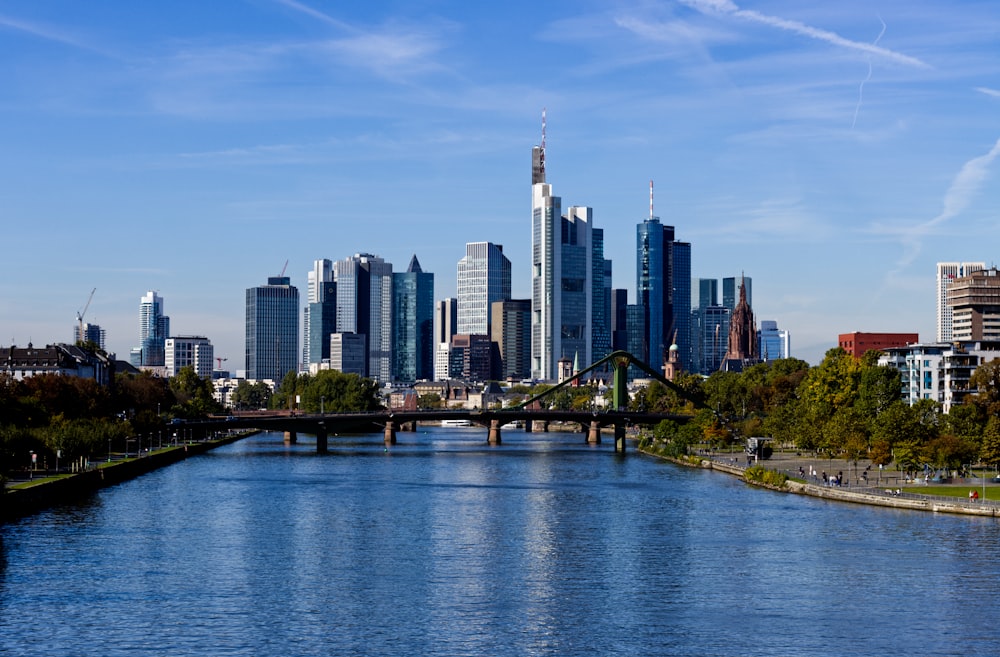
(885, 494)
(27, 498)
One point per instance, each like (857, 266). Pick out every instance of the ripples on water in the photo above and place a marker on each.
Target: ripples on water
(446, 546)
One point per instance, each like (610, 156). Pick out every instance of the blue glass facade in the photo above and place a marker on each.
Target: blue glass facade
(272, 329)
(413, 324)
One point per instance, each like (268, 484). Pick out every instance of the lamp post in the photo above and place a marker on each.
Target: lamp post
(109, 449)
(321, 400)
(31, 467)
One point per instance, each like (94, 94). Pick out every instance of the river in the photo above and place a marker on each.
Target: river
(444, 545)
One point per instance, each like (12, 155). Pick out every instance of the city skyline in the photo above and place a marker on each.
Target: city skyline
(833, 153)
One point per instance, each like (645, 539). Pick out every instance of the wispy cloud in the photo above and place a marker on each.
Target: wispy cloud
(49, 33)
(861, 87)
(728, 8)
(964, 187)
(989, 92)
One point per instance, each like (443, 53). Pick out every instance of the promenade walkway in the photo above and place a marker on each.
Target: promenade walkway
(863, 483)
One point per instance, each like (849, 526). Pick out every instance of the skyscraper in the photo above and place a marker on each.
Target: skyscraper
(317, 290)
(663, 287)
(731, 291)
(947, 272)
(413, 323)
(91, 333)
(272, 329)
(483, 277)
(512, 334)
(154, 329)
(445, 326)
(562, 276)
(364, 306)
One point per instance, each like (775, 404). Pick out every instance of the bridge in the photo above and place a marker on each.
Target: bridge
(529, 413)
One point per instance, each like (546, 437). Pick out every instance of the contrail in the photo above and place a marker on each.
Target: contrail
(861, 87)
(729, 8)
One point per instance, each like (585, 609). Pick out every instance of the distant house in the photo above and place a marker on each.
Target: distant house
(63, 359)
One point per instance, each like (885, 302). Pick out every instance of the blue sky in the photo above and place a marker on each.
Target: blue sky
(834, 152)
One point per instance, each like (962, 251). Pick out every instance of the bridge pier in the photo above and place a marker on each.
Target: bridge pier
(291, 438)
(541, 425)
(390, 433)
(594, 434)
(527, 426)
(322, 441)
(494, 438)
(619, 438)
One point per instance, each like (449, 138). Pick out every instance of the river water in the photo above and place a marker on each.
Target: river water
(443, 545)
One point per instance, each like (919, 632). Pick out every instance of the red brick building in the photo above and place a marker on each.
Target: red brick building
(858, 343)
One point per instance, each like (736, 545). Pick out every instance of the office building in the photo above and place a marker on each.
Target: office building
(731, 291)
(947, 272)
(619, 319)
(192, 351)
(272, 329)
(471, 357)
(364, 306)
(91, 333)
(154, 329)
(319, 290)
(663, 288)
(413, 323)
(511, 332)
(445, 326)
(713, 337)
(349, 353)
(858, 343)
(562, 277)
(483, 277)
(974, 300)
(773, 343)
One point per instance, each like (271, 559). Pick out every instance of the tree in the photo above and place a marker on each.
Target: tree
(986, 381)
(253, 396)
(193, 394)
(430, 400)
(989, 450)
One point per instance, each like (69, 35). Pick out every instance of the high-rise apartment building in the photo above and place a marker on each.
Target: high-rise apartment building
(364, 306)
(562, 277)
(511, 332)
(663, 287)
(154, 329)
(318, 290)
(974, 300)
(445, 326)
(413, 323)
(91, 333)
(947, 272)
(193, 351)
(272, 329)
(483, 277)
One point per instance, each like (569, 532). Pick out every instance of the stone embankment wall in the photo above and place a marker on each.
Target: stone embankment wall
(18, 502)
(874, 496)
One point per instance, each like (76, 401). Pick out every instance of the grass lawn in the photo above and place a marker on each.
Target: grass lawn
(992, 493)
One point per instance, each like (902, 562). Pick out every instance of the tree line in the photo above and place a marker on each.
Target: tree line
(844, 407)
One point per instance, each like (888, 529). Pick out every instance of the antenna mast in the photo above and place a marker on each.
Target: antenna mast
(542, 155)
(651, 198)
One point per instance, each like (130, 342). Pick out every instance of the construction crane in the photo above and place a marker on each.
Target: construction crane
(283, 270)
(80, 313)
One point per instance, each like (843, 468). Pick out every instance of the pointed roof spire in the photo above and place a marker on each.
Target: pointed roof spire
(414, 267)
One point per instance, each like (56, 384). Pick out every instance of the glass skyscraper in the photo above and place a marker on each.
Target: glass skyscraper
(364, 306)
(663, 287)
(154, 329)
(483, 277)
(272, 330)
(563, 284)
(413, 323)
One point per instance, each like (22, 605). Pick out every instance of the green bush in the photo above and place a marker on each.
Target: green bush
(761, 475)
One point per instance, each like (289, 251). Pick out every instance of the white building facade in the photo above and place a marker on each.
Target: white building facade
(189, 351)
(947, 272)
